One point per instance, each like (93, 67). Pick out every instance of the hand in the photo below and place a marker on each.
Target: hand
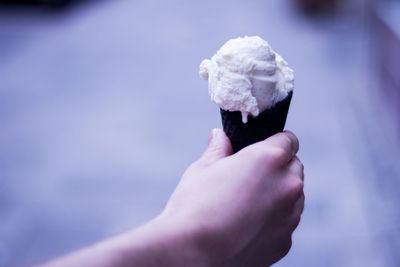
(228, 210)
(241, 209)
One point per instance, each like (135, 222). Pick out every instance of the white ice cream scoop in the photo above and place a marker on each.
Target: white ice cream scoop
(246, 75)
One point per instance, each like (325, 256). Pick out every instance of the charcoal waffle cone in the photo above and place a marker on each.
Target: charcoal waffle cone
(266, 124)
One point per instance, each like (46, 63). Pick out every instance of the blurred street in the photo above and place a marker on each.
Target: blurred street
(102, 110)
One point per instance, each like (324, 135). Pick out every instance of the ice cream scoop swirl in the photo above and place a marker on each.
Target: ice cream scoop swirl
(246, 75)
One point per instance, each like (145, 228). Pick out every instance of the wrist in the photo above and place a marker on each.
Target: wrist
(180, 241)
(167, 242)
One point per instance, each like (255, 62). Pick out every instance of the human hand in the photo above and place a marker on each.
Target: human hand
(228, 210)
(241, 209)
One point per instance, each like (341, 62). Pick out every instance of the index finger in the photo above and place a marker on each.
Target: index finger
(286, 141)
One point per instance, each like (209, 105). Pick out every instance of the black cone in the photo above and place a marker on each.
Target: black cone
(266, 124)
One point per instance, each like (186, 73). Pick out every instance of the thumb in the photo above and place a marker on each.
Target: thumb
(219, 147)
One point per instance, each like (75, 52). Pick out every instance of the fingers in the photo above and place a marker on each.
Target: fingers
(291, 184)
(286, 141)
(295, 186)
(299, 205)
(278, 149)
(294, 180)
(295, 216)
(296, 168)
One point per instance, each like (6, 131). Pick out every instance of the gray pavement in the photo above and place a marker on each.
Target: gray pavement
(102, 109)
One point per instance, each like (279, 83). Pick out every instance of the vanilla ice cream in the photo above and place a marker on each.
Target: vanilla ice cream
(246, 75)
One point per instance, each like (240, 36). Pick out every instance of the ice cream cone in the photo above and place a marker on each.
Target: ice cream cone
(266, 124)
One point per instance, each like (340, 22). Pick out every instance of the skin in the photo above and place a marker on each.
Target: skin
(228, 210)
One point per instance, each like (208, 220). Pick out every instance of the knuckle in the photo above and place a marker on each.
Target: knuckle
(295, 188)
(294, 222)
(276, 155)
(298, 165)
(292, 138)
(298, 186)
(289, 139)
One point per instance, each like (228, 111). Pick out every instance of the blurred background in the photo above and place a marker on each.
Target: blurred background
(102, 109)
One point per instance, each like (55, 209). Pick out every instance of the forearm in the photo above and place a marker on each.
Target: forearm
(158, 243)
